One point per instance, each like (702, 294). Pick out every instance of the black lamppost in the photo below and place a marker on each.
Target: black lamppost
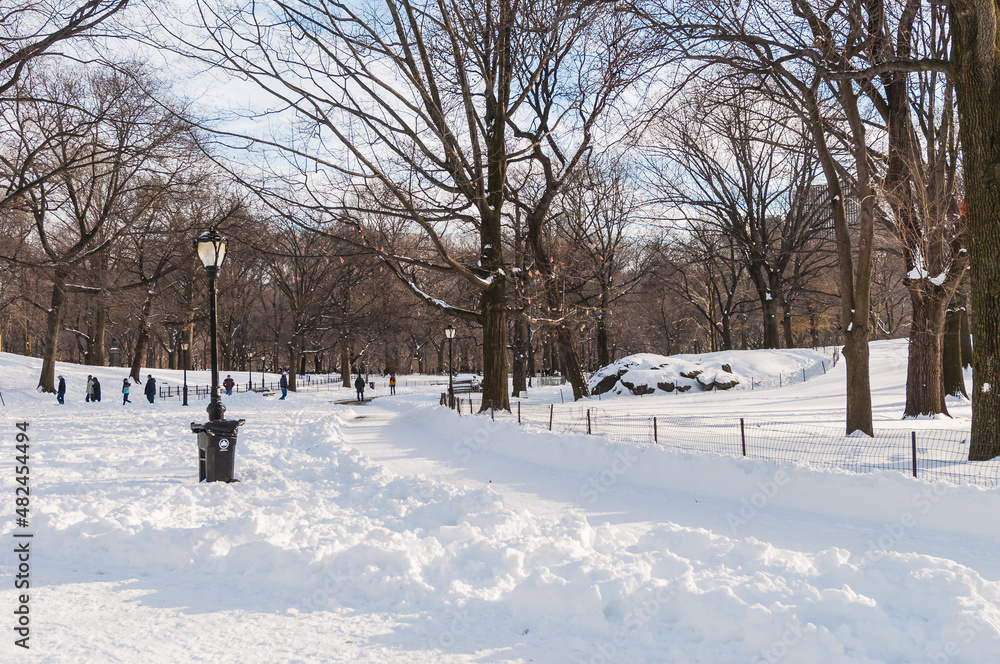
(217, 437)
(450, 333)
(184, 347)
(250, 371)
(211, 248)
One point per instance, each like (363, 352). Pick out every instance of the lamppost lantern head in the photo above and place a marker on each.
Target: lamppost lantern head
(184, 346)
(450, 331)
(211, 248)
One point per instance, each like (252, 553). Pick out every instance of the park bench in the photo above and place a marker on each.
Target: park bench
(464, 386)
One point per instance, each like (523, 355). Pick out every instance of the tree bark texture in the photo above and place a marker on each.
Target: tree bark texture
(924, 380)
(976, 73)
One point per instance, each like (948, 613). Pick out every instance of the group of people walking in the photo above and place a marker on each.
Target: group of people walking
(93, 392)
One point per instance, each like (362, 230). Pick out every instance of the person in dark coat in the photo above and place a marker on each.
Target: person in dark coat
(90, 389)
(125, 386)
(359, 385)
(229, 384)
(283, 384)
(61, 390)
(150, 388)
(97, 390)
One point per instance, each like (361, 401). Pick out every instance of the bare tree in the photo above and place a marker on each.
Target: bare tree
(599, 221)
(32, 29)
(123, 164)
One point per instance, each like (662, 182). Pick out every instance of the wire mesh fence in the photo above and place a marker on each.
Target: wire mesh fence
(932, 454)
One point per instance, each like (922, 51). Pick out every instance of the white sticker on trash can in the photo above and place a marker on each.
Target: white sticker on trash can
(223, 443)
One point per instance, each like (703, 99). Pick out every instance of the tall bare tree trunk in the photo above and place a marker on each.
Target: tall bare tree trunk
(976, 72)
(46, 381)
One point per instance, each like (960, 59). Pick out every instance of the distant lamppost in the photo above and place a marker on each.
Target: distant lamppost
(450, 333)
(184, 347)
(217, 437)
(211, 249)
(250, 371)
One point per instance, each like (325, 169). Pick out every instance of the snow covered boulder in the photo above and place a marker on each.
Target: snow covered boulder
(647, 373)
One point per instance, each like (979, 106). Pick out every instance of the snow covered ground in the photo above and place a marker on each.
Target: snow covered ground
(397, 531)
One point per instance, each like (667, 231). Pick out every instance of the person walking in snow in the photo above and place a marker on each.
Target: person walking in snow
(392, 383)
(229, 384)
(359, 385)
(125, 386)
(283, 384)
(61, 390)
(97, 390)
(90, 389)
(150, 388)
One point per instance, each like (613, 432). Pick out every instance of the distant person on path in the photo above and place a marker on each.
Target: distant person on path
(125, 386)
(150, 388)
(61, 390)
(392, 383)
(90, 389)
(359, 385)
(229, 384)
(283, 384)
(97, 390)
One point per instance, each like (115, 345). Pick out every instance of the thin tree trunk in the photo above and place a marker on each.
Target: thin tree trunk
(518, 344)
(954, 377)
(293, 364)
(46, 381)
(95, 357)
(965, 334)
(142, 339)
(345, 363)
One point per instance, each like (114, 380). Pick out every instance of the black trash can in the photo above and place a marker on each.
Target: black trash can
(216, 449)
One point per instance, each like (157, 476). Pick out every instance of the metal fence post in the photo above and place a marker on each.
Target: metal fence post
(551, 408)
(743, 437)
(654, 431)
(913, 445)
(518, 412)
(588, 421)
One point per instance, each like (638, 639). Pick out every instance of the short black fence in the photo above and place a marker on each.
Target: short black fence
(930, 454)
(307, 382)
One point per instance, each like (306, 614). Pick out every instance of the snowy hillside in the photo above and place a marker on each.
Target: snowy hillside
(398, 531)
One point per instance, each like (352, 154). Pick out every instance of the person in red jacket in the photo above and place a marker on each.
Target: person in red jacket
(229, 384)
